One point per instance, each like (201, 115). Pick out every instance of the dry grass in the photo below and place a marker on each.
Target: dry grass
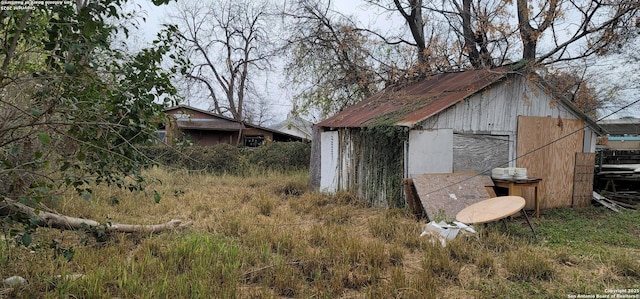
(270, 237)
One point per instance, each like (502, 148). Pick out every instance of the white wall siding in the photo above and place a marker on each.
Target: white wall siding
(430, 151)
(590, 137)
(329, 161)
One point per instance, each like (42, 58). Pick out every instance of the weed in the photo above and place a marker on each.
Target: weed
(283, 243)
(285, 280)
(337, 215)
(439, 263)
(381, 228)
(527, 264)
(485, 263)
(293, 188)
(376, 256)
(345, 198)
(588, 228)
(396, 255)
(626, 265)
(233, 224)
(265, 205)
(461, 249)
(390, 227)
(267, 236)
(565, 257)
(494, 240)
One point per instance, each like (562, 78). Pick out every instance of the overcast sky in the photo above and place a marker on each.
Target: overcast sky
(609, 71)
(279, 98)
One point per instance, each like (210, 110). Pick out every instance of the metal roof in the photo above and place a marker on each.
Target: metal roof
(621, 127)
(219, 122)
(409, 104)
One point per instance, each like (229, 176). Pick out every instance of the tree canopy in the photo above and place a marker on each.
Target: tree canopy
(450, 35)
(231, 43)
(72, 106)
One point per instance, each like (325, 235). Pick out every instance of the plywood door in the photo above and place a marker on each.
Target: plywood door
(547, 147)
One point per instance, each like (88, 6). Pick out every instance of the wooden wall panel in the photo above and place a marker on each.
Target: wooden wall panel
(583, 179)
(547, 146)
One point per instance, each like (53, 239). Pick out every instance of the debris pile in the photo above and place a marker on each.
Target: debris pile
(617, 179)
(443, 231)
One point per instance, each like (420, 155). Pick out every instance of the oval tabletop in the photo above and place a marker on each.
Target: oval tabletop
(491, 209)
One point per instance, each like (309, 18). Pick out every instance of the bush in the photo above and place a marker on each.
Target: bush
(281, 156)
(229, 159)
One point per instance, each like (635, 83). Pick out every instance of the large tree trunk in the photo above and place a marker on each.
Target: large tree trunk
(530, 35)
(416, 24)
(469, 35)
(55, 220)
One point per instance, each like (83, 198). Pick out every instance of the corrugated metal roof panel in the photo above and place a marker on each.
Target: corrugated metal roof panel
(621, 126)
(216, 122)
(412, 103)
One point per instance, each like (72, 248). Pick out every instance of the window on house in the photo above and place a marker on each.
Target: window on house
(162, 136)
(253, 141)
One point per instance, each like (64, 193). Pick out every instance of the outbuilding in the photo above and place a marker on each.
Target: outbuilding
(471, 121)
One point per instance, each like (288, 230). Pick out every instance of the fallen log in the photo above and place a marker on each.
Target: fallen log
(55, 220)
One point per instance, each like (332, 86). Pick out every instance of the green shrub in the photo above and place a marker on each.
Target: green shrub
(228, 159)
(281, 156)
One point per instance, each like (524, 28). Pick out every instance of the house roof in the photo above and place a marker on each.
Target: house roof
(218, 122)
(412, 103)
(623, 126)
(296, 122)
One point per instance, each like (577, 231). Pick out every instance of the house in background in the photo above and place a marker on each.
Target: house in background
(619, 159)
(295, 125)
(470, 121)
(208, 129)
(624, 133)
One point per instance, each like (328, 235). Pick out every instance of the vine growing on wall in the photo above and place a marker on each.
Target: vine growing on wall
(378, 162)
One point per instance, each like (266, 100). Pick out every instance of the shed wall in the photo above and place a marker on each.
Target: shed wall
(547, 147)
(329, 162)
(479, 153)
(430, 151)
(496, 110)
(485, 135)
(364, 161)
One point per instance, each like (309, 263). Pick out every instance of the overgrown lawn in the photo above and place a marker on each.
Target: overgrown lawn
(269, 236)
